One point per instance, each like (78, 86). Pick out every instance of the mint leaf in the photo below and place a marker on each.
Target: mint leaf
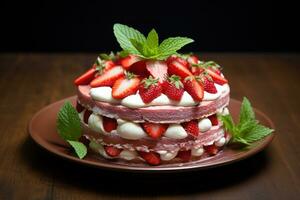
(171, 45)
(138, 46)
(246, 112)
(124, 34)
(257, 133)
(228, 122)
(68, 123)
(123, 53)
(248, 130)
(80, 148)
(69, 128)
(152, 40)
(134, 42)
(247, 126)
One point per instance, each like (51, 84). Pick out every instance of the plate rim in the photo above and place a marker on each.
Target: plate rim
(116, 167)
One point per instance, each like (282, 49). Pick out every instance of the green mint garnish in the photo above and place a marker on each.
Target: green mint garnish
(248, 130)
(69, 129)
(134, 42)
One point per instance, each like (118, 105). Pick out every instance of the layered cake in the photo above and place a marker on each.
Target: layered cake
(153, 109)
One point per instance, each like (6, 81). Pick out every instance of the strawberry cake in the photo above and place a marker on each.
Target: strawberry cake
(139, 108)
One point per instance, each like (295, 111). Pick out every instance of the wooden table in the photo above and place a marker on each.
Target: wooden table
(29, 82)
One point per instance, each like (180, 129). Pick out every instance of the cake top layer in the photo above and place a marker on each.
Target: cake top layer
(146, 71)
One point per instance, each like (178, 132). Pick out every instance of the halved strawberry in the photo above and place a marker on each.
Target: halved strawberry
(149, 89)
(173, 88)
(86, 78)
(112, 151)
(209, 85)
(214, 120)
(125, 86)
(109, 64)
(79, 107)
(86, 116)
(108, 77)
(197, 70)
(129, 60)
(193, 59)
(211, 149)
(178, 59)
(139, 68)
(195, 89)
(109, 124)
(216, 77)
(158, 69)
(179, 69)
(185, 156)
(151, 157)
(154, 130)
(191, 127)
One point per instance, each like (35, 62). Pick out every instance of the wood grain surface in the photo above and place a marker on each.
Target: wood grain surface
(29, 82)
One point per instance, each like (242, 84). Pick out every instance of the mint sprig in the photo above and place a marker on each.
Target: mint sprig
(248, 129)
(134, 42)
(69, 128)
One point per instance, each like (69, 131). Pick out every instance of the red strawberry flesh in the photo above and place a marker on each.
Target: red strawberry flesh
(109, 124)
(108, 77)
(86, 78)
(112, 151)
(86, 116)
(151, 158)
(158, 69)
(185, 156)
(155, 130)
(214, 120)
(179, 69)
(191, 127)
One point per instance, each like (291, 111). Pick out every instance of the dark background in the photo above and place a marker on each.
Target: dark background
(50, 26)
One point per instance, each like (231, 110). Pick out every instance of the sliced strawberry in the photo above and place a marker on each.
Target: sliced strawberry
(125, 86)
(86, 78)
(173, 88)
(158, 69)
(216, 77)
(154, 130)
(179, 69)
(129, 60)
(151, 158)
(211, 149)
(109, 124)
(195, 89)
(185, 156)
(112, 151)
(86, 116)
(139, 68)
(209, 85)
(193, 59)
(191, 127)
(197, 70)
(109, 64)
(150, 89)
(178, 59)
(79, 107)
(214, 120)
(108, 77)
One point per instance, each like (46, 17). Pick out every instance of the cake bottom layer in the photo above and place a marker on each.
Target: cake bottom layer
(176, 151)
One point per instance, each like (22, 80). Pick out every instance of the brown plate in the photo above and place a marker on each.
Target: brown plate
(42, 129)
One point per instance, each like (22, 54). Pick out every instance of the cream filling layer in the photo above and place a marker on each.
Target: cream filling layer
(135, 101)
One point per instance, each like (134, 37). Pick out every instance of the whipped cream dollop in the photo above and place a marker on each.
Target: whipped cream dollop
(135, 101)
